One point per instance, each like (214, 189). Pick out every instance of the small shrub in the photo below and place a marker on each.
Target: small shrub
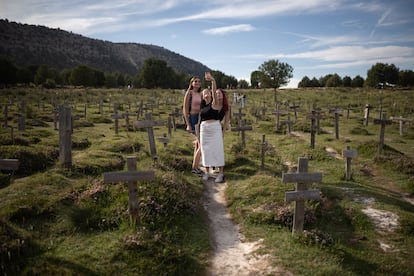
(315, 237)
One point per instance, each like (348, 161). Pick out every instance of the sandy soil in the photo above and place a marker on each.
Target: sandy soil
(232, 255)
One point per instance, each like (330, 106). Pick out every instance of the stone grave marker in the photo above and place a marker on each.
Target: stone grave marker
(131, 176)
(301, 193)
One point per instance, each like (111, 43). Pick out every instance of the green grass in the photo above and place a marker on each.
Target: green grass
(67, 221)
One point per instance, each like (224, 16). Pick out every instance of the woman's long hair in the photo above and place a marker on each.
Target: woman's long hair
(191, 83)
(225, 101)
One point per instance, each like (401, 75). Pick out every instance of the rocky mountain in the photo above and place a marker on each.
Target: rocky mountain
(25, 44)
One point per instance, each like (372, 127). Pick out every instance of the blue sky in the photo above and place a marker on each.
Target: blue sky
(316, 37)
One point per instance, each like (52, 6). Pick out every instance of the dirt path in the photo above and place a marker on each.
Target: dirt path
(232, 255)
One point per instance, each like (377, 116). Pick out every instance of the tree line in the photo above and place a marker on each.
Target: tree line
(155, 73)
(379, 75)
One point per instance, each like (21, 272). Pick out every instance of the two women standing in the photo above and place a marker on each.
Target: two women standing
(213, 109)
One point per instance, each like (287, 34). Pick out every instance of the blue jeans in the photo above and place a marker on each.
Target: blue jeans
(193, 122)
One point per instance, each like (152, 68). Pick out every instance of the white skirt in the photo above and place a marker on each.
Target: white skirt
(211, 140)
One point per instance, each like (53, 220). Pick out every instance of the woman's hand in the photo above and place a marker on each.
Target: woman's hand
(208, 76)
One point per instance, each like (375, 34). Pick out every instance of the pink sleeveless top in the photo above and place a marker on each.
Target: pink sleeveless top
(195, 102)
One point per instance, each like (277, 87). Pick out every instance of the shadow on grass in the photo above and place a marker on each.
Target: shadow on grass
(55, 266)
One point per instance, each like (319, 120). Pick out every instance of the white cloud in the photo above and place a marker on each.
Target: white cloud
(229, 29)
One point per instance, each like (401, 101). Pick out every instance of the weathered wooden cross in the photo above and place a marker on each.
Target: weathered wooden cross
(294, 107)
(172, 122)
(347, 111)
(337, 112)
(116, 116)
(401, 120)
(239, 115)
(264, 149)
(22, 117)
(301, 193)
(368, 107)
(6, 114)
(65, 136)
(383, 121)
(242, 127)
(126, 116)
(288, 122)
(277, 114)
(164, 139)
(348, 154)
(313, 117)
(131, 176)
(149, 124)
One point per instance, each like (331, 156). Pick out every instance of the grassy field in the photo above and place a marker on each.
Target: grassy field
(56, 220)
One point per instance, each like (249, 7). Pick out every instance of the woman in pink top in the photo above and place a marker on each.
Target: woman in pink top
(191, 110)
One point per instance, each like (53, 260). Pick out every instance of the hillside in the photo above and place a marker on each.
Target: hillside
(25, 44)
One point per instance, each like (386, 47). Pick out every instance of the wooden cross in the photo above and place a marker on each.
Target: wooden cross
(301, 193)
(164, 139)
(126, 116)
(380, 110)
(313, 117)
(294, 107)
(116, 116)
(264, 149)
(131, 176)
(401, 121)
(383, 121)
(336, 112)
(173, 115)
(101, 107)
(242, 128)
(368, 107)
(84, 111)
(278, 112)
(9, 164)
(149, 124)
(347, 111)
(288, 122)
(22, 117)
(6, 115)
(348, 154)
(239, 115)
(65, 136)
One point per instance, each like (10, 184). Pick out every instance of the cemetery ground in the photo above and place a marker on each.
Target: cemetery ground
(57, 218)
